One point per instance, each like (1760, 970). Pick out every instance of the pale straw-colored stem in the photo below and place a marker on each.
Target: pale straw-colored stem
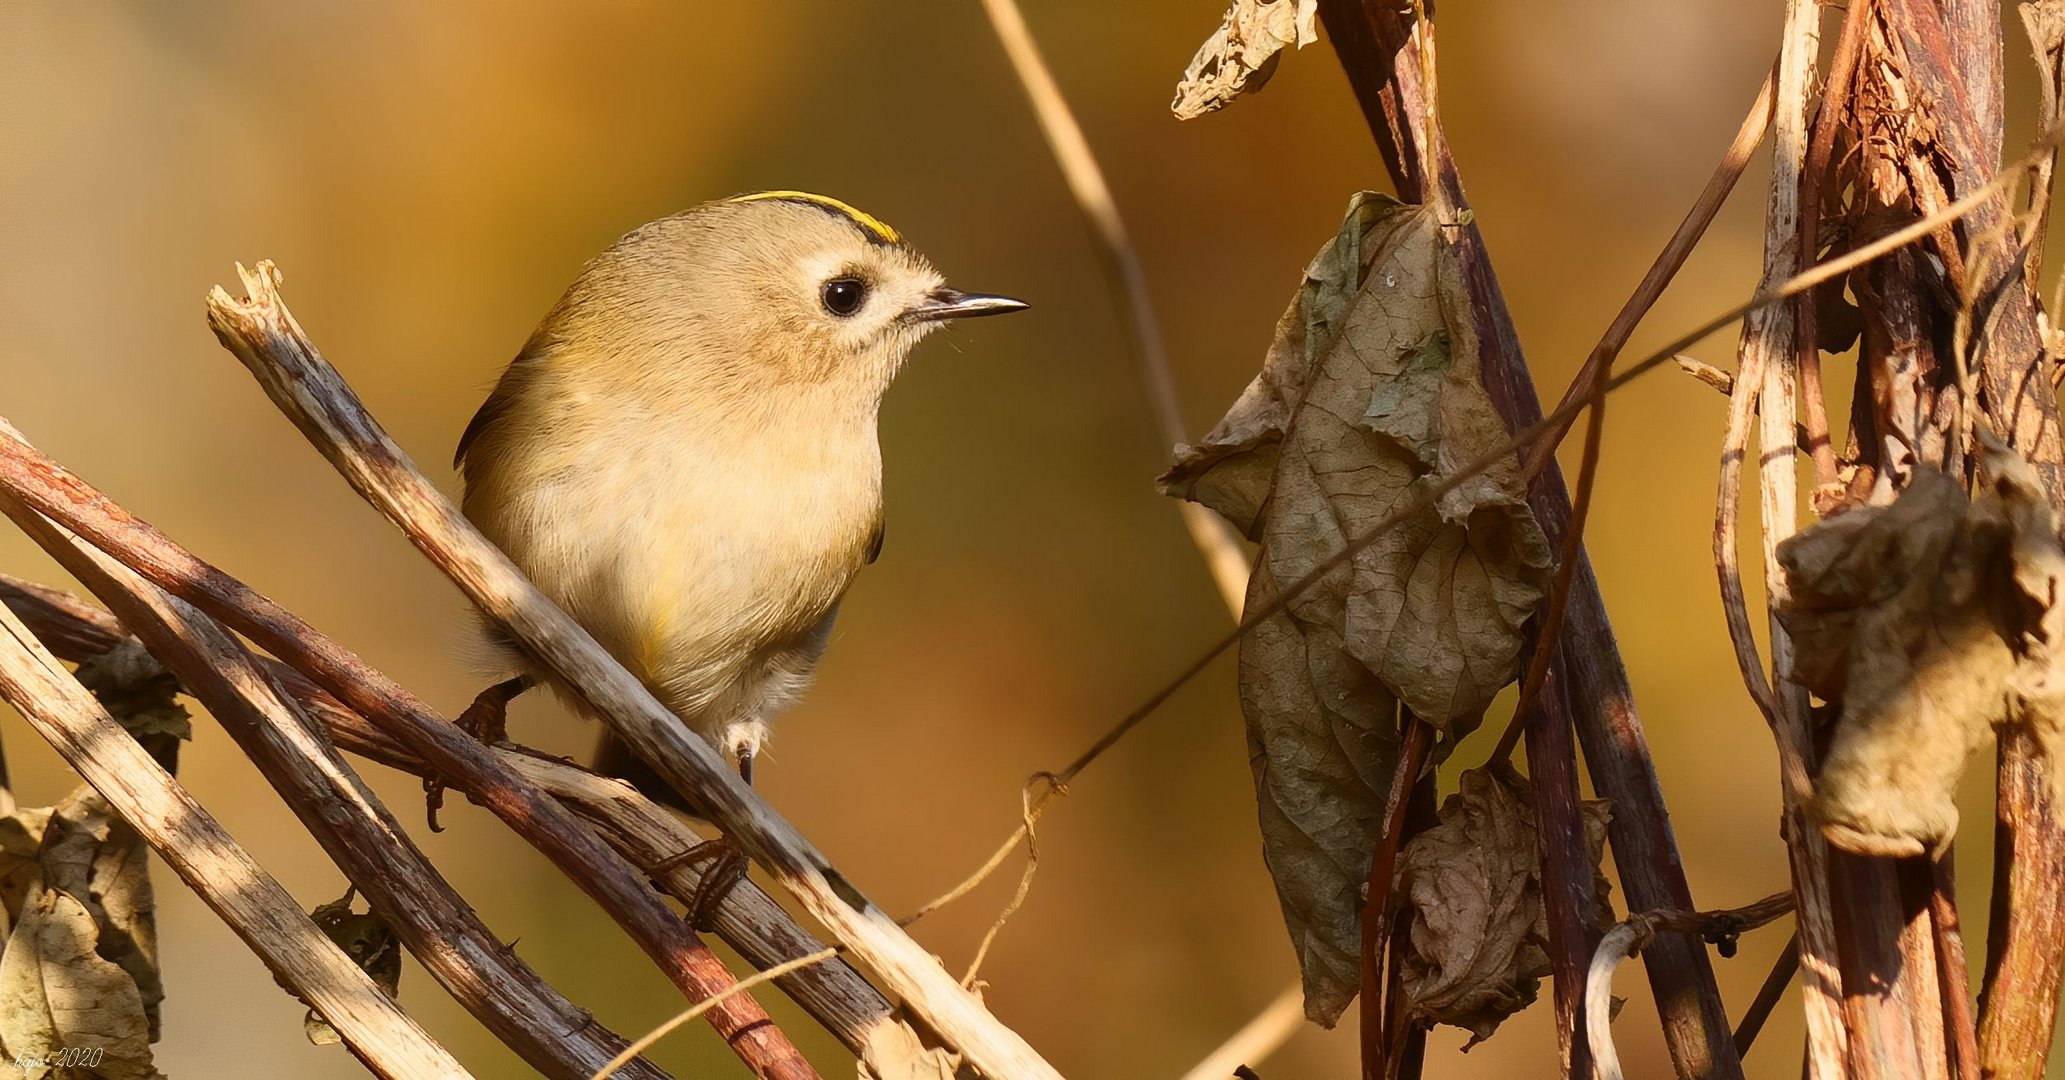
(1260, 1037)
(1766, 383)
(222, 874)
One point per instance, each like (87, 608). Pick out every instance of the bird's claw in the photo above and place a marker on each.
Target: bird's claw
(728, 864)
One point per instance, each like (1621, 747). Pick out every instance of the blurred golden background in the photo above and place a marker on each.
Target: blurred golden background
(429, 176)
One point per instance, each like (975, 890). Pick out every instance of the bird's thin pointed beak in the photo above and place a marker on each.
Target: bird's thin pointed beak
(943, 304)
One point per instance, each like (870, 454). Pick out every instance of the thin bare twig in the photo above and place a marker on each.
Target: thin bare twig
(1598, 368)
(1378, 915)
(1216, 540)
(1214, 537)
(261, 332)
(1773, 988)
(551, 1034)
(1707, 373)
(645, 833)
(227, 879)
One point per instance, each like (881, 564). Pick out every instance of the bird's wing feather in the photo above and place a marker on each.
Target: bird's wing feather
(491, 410)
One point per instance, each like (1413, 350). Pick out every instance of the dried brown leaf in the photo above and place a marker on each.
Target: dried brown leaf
(1929, 621)
(1476, 948)
(21, 837)
(371, 944)
(80, 967)
(1368, 398)
(895, 1052)
(1241, 55)
(138, 691)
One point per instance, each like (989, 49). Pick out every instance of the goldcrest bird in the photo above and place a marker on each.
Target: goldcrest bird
(684, 454)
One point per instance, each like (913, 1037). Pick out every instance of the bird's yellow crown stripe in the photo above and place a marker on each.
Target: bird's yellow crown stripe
(876, 226)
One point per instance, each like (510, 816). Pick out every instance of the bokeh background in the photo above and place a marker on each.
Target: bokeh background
(429, 176)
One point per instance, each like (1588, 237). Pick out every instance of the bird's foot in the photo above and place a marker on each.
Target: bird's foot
(487, 720)
(728, 865)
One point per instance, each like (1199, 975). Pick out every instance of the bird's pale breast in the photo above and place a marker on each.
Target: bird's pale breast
(703, 555)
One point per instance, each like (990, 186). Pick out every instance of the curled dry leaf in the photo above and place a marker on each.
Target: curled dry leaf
(80, 968)
(895, 1052)
(1928, 621)
(1368, 398)
(1241, 55)
(371, 944)
(1476, 947)
(139, 692)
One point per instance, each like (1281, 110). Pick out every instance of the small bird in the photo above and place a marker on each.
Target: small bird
(684, 456)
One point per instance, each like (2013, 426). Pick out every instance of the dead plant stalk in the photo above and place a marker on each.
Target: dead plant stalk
(227, 879)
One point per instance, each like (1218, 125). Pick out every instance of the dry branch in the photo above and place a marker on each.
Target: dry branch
(190, 841)
(53, 491)
(265, 337)
(833, 993)
(551, 1034)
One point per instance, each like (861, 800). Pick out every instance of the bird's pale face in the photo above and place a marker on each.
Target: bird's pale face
(841, 289)
(858, 300)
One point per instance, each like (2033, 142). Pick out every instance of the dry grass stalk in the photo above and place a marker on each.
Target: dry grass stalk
(227, 879)
(1256, 1039)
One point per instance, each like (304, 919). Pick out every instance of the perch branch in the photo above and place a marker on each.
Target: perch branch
(552, 1034)
(57, 494)
(1214, 537)
(642, 831)
(264, 336)
(227, 879)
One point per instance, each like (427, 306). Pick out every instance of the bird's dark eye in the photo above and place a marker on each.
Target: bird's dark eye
(844, 296)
